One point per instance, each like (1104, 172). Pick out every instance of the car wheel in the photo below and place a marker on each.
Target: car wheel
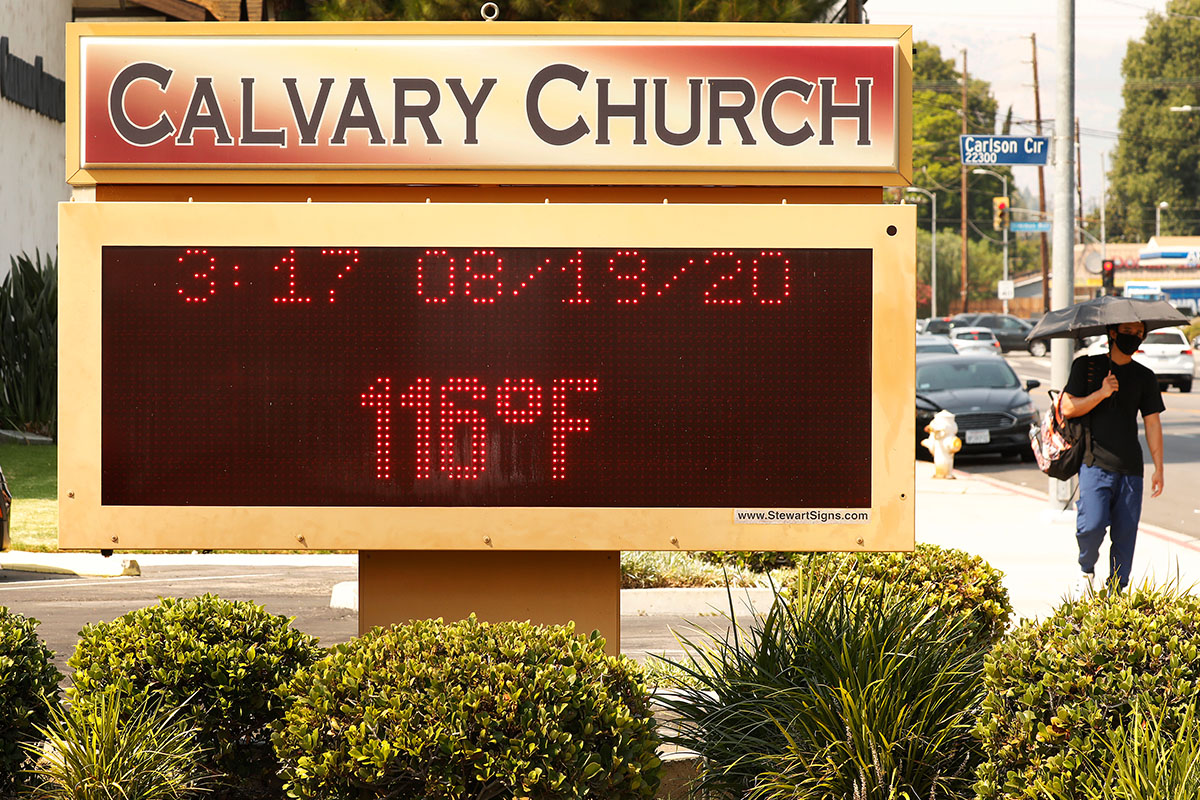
(1185, 385)
(1037, 348)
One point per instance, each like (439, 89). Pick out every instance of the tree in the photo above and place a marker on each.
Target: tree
(937, 165)
(937, 124)
(1158, 153)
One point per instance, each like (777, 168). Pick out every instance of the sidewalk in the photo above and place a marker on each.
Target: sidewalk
(1015, 530)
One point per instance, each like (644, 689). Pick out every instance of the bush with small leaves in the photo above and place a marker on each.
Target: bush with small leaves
(28, 692)
(952, 581)
(220, 660)
(1056, 689)
(469, 711)
(753, 560)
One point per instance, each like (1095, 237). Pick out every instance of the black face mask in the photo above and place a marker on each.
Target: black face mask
(1128, 343)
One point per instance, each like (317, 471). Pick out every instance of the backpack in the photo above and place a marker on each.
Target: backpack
(1059, 445)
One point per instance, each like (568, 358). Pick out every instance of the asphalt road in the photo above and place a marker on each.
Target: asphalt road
(64, 604)
(1178, 508)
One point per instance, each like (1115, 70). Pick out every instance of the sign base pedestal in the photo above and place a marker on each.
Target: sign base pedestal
(544, 587)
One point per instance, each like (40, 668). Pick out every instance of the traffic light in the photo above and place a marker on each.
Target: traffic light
(999, 213)
(1107, 270)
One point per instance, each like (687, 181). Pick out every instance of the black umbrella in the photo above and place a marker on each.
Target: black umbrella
(1092, 317)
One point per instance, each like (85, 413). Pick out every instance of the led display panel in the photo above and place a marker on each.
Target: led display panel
(513, 376)
(395, 376)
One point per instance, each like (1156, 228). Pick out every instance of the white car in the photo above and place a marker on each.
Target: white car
(974, 340)
(1167, 352)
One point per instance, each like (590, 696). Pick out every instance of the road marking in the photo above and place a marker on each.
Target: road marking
(51, 583)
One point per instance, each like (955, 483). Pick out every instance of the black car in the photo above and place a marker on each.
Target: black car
(993, 411)
(1010, 331)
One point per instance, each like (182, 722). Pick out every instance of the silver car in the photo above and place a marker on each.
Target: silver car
(1167, 352)
(934, 344)
(975, 341)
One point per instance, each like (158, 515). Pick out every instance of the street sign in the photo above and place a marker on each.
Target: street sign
(1029, 227)
(1005, 290)
(992, 150)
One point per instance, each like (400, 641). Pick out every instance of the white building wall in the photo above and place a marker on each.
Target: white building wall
(32, 147)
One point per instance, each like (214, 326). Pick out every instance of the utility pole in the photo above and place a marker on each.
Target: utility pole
(1103, 202)
(964, 186)
(1064, 214)
(853, 11)
(1045, 245)
(1079, 180)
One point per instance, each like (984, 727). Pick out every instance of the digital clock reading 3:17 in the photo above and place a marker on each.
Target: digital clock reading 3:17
(486, 376)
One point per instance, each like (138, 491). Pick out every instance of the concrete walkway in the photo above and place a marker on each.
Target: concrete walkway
(1015, 530)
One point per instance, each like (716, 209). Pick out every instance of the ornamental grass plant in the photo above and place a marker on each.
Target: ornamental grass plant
(115, 749)
(29, 345)
(845, 691)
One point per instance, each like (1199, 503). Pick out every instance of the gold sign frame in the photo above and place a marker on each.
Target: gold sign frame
(650, 33)
(888, 231)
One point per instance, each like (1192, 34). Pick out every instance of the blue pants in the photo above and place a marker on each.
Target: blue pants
(1113, 501)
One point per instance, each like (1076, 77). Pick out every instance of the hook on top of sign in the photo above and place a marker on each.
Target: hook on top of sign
(489, 12)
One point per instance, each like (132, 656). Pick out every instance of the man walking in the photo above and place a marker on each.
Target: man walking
(1110, 480)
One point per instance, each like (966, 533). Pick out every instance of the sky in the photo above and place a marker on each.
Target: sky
(996, 37)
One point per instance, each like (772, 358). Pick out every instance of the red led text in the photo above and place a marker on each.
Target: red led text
(469, 403)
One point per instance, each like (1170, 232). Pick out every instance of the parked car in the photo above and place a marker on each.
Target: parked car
(1168, 353)
(991, 407)
(935, 344)
(974, 340)
(936, 325)
(1009, 330)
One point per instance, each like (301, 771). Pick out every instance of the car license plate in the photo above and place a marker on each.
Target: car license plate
(978, 437)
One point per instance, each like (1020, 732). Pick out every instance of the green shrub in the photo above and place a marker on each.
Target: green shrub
(116, 749)
(848, 690)
(952, 581)
(220, 660)
(469, 711)
(1146, 758)
(29, 345)
(28, 690)
(651, 569)
(1055, 688)
(753, 560)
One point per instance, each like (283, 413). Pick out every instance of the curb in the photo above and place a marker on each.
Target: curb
(344, 595)
(24, 438)
(85, 565)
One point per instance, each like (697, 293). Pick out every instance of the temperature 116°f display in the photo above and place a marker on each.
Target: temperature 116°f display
(480, 376)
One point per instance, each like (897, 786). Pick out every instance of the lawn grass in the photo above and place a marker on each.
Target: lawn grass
(32, 475)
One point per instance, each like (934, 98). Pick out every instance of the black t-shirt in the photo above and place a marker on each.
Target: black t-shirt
(1115, 446)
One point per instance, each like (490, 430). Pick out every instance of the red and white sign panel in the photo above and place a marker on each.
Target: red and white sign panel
(505, 102)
